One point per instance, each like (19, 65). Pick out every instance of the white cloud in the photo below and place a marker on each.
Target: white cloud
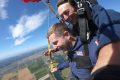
(25, 25)
(21, 40)
(3, 12)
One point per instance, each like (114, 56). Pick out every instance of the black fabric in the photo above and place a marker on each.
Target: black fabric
(86, 50)
(83, 62)
(92, 2)
(83, 25)
(75, 30)
(110, 72)
(87, 10)
(82, 21)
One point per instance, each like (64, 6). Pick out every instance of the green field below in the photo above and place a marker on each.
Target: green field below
(40, 69)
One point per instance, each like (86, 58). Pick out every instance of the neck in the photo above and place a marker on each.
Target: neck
(72, 43)
(73, 40)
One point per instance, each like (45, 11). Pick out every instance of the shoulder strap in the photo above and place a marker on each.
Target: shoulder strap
(82, 21)
(84, 16)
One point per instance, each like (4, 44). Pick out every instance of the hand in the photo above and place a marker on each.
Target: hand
(53, 70)
(50, 51)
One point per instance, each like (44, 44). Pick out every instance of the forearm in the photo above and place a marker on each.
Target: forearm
(108, 55)
(63, 65)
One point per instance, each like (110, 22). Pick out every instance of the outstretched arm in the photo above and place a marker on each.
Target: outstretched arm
(50, 51)
(61, 66)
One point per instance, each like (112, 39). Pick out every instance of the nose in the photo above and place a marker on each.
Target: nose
(65, 17)
(55, 46)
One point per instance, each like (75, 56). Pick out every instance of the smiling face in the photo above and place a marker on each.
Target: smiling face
(59, 36)
(67, 13)
(62, 42)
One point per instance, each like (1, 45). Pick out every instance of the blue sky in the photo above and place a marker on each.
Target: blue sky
(23, 26)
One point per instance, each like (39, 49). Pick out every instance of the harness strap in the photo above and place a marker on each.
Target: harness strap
(82, 21)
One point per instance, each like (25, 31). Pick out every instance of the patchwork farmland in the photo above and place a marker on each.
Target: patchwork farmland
(34, 67)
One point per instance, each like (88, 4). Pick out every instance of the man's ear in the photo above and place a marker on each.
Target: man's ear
(66, 34)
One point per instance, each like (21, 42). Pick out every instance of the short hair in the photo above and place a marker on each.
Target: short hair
(72, 3)
(58, 29)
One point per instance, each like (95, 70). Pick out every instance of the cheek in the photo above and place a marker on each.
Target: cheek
(61, 42)
(64, 43)
(71, 11)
